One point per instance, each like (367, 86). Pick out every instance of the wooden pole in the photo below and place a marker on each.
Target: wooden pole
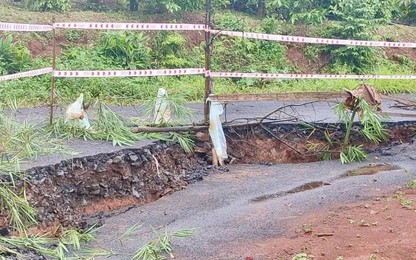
(52, 95)
(208, 38)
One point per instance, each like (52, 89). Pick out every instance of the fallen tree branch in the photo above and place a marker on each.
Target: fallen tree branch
(283, 107)
(325, 234)
(137, 129)
(192, 128)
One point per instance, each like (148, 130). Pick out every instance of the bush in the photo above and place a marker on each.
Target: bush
(409, 11)
(229, 21)
(103, 5)
(48, 5)
(170, 50)
(309, 11)
(358, 20)
(246, 55)
(14, 57)
(173, 6)
(126, 48)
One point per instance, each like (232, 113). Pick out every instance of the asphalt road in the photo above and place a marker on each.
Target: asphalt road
(223, 209)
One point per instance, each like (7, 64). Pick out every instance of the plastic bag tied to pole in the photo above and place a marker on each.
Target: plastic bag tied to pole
(75, 111)
(162, 112)
(216, 132)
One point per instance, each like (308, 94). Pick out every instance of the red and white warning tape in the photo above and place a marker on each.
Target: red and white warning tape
(305, 76)
(24, 27)
(199, 27)
(286, 38)
(127, 73)
(26, 74)
(132, 26)
(191, 71)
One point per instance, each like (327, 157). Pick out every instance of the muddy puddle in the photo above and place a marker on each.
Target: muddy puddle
(303, 187)
(371, 169)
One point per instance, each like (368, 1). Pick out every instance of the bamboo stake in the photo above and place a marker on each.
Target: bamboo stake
(52, 95)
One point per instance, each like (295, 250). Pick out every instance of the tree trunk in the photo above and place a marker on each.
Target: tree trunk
(134, 7)
(261, 11)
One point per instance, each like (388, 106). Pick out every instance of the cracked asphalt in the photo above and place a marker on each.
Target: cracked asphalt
(222, 211)
(221, 208)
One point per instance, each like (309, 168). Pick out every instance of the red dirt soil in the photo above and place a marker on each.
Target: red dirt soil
(381, 228)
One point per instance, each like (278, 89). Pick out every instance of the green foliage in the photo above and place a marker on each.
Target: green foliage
(20, 140)
(108, 127)
(309, 11)
(246, 6)
(177, 104)
(247, 55)
(160, 246)
(270, 25)
(358, 20)
(315, 16)
(53, 248)
(184, 140)
(371, 128)
(174, 6)
(104, 5)
(16, 207)
(352, 153)
(14, 57)
(170, 50)
(230, 21)
(301, 256)
(24, 140)
(408, 10)
(127, 49)
(371, 125)
(48, 5)
(221, 4)
(412, 184)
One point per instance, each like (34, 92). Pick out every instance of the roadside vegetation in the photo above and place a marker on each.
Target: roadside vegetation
(99, 50)
(26, 141)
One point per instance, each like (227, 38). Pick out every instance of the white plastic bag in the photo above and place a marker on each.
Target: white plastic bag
(75, 111)
(162, 112)
(217, 133)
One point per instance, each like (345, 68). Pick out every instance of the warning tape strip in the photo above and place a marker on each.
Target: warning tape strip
(305, 76)
(24, 27)
(192, 71)
(132, 26)
(26, 74)
(286, 38)
(128, 73)
(197, 27)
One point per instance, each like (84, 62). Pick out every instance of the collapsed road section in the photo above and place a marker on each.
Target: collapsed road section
(80, 191)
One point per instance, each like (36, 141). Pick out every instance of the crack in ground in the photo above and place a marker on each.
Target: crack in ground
(365, 170)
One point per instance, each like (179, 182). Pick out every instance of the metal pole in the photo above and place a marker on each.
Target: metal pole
(52, 97)
(208, 38)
